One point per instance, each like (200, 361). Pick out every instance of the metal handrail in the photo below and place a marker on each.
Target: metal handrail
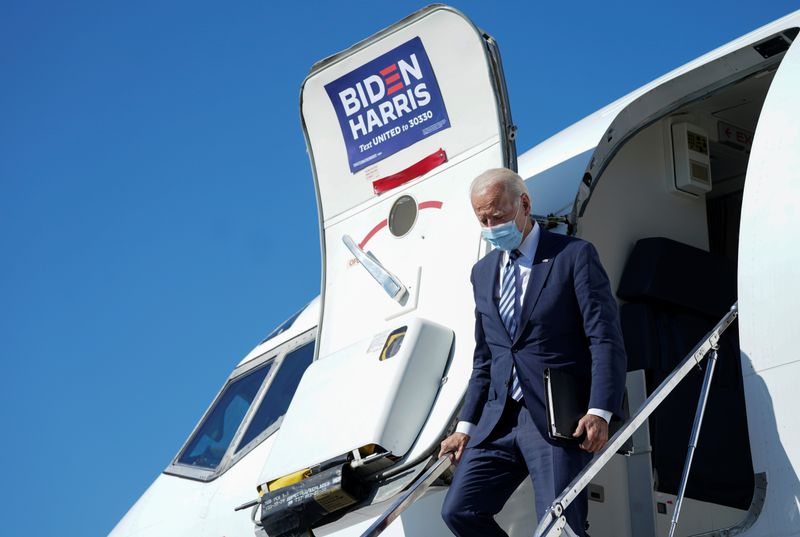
(552, 522)
(416, 490)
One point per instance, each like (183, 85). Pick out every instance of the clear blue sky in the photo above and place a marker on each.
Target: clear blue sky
(157, 215)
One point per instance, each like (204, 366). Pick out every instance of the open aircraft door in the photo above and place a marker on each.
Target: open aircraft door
(769, 272)
(397, 127)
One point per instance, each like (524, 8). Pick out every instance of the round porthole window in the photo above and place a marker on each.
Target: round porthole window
(402, 216)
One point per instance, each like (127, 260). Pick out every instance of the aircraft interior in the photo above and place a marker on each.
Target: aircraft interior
(671, 256)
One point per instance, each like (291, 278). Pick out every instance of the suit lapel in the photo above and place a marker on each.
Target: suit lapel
(542, 263)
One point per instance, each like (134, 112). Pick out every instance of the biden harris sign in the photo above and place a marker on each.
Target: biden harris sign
(388, 104)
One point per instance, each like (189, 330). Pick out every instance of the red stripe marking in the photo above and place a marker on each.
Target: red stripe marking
(386, 70)
(372, 233)
(412, 172)
(396, 87)
(430, 205)
(394, 78)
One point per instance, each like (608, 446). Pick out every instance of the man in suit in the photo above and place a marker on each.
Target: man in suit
(542, 300)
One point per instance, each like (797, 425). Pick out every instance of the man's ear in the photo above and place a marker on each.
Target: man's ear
(526, 200)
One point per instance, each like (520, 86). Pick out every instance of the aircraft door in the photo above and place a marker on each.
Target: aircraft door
(397, 127)
(769, 291)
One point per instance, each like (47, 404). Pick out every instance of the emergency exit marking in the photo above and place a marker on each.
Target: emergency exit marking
(735, 136)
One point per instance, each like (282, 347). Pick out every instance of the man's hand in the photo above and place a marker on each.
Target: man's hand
(454, 445)
(596, 430)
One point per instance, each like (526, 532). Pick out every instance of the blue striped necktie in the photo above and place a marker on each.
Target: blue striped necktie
(507, 306)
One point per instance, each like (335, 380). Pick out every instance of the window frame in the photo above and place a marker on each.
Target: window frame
(263, 435)
(277, 355)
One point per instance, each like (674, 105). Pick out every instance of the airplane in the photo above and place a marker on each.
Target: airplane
(685, 186)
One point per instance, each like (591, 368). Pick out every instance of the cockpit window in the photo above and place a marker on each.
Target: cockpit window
(246, 411)
(212, 438)
(280, 392)
(284, 326)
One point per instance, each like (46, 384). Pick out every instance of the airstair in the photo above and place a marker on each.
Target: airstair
(553, 523)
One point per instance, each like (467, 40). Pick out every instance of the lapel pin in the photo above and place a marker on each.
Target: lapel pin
(546, 260)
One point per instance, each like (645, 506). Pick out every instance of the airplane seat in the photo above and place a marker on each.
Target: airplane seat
(675, 295)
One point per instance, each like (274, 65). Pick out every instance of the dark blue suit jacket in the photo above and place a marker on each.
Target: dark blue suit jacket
(569, 320)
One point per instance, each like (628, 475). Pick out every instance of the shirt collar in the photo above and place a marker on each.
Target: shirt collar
(529, 245)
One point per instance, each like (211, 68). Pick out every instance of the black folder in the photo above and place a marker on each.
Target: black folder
(566, 398)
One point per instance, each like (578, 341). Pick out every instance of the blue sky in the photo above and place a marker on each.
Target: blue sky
(158, 218)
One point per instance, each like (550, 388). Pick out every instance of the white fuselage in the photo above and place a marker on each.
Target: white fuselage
(612, 174)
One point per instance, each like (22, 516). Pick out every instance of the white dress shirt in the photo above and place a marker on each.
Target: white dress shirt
(524, 265)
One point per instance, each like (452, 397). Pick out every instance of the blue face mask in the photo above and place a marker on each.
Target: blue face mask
(506, 236)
